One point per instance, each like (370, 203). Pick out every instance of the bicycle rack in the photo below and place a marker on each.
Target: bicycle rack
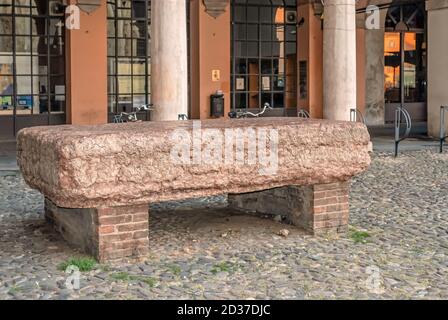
(443, 135)
(355, 114)
(118, 119)
(399, 112)
(303, 114)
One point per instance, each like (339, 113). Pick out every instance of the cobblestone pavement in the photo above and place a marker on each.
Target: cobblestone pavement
(397, 246)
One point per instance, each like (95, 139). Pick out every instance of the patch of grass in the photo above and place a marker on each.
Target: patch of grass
(359, 236)
(174, 269)
(14, 290)
(124, 276)
(84, 264)
(121, 276)
(104, 268)
(151, 282)
(418, 251)
(225, 266)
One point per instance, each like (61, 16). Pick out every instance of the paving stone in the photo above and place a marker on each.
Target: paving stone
(400, 203)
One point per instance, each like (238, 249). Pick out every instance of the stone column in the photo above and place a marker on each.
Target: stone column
(374, 72)
(339, 59)
(169, 67)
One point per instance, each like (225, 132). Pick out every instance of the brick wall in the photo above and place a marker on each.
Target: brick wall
(123, 232)
(109, 234)
(318, 209)
(331, 207)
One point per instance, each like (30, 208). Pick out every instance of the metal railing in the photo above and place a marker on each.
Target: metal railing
(443, 135)
(401, 113)
(303, 114)
(356, 114)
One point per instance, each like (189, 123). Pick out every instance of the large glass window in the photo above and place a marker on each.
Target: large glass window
(32, 60)
(405, 54)
(129, 67)
(392, 66)
(264, 53)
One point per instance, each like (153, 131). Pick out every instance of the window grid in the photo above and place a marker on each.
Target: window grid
(128, 48)
(21, 47)
(255, 45)
(405, 20)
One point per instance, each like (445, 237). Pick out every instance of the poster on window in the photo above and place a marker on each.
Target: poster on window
(6, 86)
(240, 84)
(5, 102)
(266, 83)
(6, 79)
(60, 93)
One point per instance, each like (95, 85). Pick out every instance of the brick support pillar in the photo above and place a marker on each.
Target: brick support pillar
(318, 209)
(108, 234)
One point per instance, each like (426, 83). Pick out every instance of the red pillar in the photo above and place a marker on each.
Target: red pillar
(86, 68)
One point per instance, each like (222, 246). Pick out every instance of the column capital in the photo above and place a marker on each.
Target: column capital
(215, 8)
(328, 3)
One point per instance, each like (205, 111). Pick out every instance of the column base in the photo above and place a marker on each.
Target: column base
(108, 234)
(318, 209)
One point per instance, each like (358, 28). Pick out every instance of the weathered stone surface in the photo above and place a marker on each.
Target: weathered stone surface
(130, 164)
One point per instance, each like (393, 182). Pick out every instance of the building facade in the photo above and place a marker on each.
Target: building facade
(322, 56)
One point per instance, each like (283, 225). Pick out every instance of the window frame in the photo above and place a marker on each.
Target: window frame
(115, 95)
(32, 14)
(274, 61)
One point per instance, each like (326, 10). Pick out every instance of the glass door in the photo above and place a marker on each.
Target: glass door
(405, 61)
(392, 67)
(405, 73)
(414, 68)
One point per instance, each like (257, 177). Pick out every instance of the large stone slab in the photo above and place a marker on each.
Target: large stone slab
(132, 164)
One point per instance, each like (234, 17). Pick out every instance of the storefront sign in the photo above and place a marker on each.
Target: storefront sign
(216, 75)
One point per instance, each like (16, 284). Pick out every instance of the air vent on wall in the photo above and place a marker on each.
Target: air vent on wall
(291, 17)
(56, 8)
